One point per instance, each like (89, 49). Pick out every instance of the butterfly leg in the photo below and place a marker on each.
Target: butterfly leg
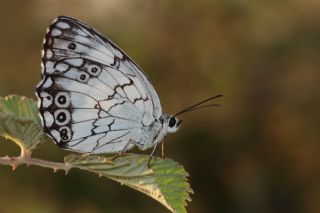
(151, 155)
(162, 148)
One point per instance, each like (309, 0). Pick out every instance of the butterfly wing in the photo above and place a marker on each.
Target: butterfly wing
(92, 96)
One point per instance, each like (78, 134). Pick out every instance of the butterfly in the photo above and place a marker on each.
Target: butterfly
(93, 98)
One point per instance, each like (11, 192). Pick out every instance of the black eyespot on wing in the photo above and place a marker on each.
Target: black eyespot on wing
(61, 117)
(72, 46)
(83, 77)
(172, 122)
(94, 69)
(65, 134)
(62, 99)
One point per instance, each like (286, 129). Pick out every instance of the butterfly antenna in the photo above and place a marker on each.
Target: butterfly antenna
(197, 105)
(201, 107)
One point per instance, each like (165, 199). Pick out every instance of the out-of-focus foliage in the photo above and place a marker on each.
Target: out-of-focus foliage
(259, 152)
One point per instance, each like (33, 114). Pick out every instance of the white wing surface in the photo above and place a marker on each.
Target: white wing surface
(92, 96)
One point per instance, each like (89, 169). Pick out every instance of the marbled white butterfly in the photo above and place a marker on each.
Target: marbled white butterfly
(93, 98)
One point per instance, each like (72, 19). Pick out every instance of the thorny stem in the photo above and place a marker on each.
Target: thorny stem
(25, 158)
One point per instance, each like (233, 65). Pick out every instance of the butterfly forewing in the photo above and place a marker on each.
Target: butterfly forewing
(92, 96)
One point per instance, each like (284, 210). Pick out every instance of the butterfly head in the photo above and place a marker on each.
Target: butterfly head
(170, 122)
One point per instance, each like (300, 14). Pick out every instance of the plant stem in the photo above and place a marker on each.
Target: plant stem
(14, 162)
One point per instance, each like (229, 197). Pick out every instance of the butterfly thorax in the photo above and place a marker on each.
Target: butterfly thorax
(156, 131)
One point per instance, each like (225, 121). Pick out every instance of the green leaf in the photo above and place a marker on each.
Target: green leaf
(165, 181)
(21, 107)
(19, 122)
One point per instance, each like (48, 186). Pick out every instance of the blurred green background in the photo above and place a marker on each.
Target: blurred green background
(259, 152)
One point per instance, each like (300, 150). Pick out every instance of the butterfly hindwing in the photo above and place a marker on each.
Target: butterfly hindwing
(92, 96)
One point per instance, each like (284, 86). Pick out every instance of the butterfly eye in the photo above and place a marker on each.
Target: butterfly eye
(172, 122)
